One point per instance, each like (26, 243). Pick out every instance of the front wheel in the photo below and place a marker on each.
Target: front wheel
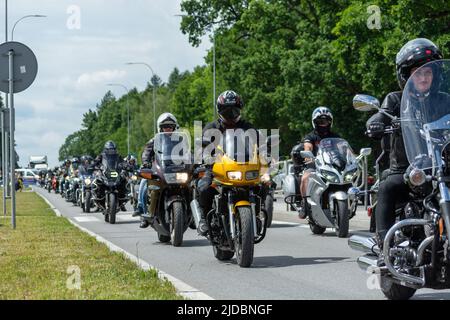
(112, 208)
(394, 291)
(87, 202)
(342, 218)
(244, 244)
(177, 224)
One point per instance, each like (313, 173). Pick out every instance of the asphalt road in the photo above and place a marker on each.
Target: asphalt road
(290, 263)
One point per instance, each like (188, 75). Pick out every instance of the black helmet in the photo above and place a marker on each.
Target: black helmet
(229, 105)
(75, 160)
(414, 54)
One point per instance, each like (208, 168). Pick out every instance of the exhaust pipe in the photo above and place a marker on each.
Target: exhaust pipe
(365, 262)
(364, 244)
(196, 211)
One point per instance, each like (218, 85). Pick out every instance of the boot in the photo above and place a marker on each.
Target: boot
(202, 226)
(303, 210)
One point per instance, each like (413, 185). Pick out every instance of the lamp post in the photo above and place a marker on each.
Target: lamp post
(214, 64)
(154, 92)
(128, 113)
(25, 17)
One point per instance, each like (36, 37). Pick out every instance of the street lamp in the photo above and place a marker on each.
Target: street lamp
(154, 92)
(214, 63)
(128, 113)
(25, 17)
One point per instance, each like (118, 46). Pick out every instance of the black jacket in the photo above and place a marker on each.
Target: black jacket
(314, 138)
(397, 156)
(148, 155)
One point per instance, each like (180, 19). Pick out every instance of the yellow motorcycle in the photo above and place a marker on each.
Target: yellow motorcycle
(237, 220)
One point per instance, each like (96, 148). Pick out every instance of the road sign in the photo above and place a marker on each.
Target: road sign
(25, 66)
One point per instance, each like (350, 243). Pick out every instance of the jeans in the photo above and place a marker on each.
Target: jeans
(142, 201)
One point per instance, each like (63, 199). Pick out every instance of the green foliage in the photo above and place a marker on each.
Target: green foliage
(285, 58)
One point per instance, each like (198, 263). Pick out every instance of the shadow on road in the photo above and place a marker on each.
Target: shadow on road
(196, 243)
(432, 296)
(283, 225)
(287, 261)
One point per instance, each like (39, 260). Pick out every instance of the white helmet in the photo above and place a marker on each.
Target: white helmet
(167, 119)
(320, 113)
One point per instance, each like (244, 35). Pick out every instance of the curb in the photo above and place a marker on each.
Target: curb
(182, 288)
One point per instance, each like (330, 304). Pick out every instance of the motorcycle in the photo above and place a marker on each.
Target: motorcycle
(328, 203)
(72, 190)
(133, 189)
(108, 186)
(84, 194)
(168, 187)
(55, 184)
(415, 251)
(236, 221)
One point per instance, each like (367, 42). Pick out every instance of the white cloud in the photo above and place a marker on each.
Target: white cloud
(99, 78)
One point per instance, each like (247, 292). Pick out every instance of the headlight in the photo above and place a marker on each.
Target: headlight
(330, 176)
(234, 175)
(350, 175)
(87, 181)
(417, 177)
(134, 177)
(179, 177)
(252, 175)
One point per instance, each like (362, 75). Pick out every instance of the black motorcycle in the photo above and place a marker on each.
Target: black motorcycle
(109, 187)
(415, 252)
(169, 192)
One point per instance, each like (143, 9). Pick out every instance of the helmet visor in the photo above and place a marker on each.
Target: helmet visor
(229, 113)
(323, 122)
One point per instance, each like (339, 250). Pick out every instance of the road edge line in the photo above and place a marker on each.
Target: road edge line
(183, 288)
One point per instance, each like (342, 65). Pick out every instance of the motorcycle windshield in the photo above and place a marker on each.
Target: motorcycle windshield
(239, 146)
(172, 148)
(110, 161)
(425, 114)
(336, 152)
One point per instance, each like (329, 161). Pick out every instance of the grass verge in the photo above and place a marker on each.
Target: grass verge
(47, 257)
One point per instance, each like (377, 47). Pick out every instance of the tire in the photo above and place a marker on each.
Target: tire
(222, 255)
(112, 208)
(163, 238)
(87, 202)
(342, 216)
(268, 204)
(244, 244)
(49, 189)
(394, 291)
(316, 229)
(177, 224)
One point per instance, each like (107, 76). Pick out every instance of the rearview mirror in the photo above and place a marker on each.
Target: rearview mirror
(365, 152)
(364, 102)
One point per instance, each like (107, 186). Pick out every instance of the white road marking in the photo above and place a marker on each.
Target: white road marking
(86, 219)
(127, 217)
(285, 222)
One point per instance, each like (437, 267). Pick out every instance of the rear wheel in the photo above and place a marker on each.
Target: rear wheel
(244, 244)
(163, 238)
(112, 208)
(222, 255)
(342, 218)
(394, 291)
(268, 204)
(316, 229)
(177, 224)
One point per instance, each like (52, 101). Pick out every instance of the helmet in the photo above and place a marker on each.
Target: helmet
(229, 105)
(167, 119)
(321, 113)
(414, 54)
(75, 160)
(110, 147)
(66, 162)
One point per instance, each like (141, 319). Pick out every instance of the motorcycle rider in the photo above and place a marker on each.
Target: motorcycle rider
(166, 123)
(411, 56)
(322, 121)
(110, 149)
(85, 167)
(229, 105)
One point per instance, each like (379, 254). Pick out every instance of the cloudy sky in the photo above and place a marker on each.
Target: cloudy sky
(78, 57)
